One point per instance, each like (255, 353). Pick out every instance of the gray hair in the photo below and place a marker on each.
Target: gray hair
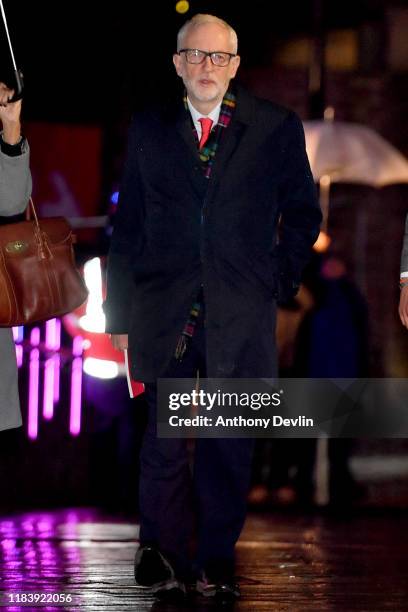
(201, 19)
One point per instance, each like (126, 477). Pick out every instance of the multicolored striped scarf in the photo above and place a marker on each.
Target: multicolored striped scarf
(189, 328)
(207, 155)
(209, 150)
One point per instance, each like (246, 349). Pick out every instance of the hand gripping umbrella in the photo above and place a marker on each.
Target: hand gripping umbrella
(18, 90)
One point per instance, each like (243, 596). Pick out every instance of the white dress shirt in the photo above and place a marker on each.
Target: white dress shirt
(195, 115)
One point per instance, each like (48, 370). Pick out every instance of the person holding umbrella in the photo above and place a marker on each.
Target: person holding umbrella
(15, 190)
(403, 303)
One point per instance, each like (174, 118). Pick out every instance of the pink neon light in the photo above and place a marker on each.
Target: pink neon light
(76, 391)
(19, 355)
(48, 399)
(57, 336)
(18, 333)
(34, 372)
(56, 365)
(56, 359)
(77, 346)
(35, 336)
(53, 334)
(76, 386)
(50, 333)
(18, 336)
(51, 369)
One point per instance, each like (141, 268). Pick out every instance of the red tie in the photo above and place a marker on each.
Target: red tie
(206, 124)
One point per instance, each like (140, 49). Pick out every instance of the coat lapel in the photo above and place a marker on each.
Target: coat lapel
(231, 141)
(185, 131)
(234, 137)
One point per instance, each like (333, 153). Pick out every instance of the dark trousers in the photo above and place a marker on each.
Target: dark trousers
(209, 502)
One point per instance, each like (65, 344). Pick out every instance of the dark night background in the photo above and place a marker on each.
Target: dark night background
(81, 60)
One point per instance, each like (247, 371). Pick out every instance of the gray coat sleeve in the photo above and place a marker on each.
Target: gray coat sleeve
(15, 189)
(404, 254)
(15, 182)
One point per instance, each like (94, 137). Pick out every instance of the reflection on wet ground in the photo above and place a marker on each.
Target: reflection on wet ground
(291, 562)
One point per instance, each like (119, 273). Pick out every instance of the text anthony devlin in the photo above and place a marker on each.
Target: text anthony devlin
(276, 421)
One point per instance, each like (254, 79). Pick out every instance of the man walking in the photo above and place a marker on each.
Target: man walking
(194, 274)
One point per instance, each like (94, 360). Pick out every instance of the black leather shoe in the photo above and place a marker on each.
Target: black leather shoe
(154, 572)
(222, 590)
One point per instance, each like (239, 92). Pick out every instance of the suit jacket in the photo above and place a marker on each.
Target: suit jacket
(404, 254)
(175, 231)
(15, 189)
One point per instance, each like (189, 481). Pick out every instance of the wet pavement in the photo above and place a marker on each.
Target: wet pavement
(286, 562)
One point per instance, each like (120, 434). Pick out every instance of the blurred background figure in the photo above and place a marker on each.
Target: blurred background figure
(332, 343)
(274, 458)
(328, 339)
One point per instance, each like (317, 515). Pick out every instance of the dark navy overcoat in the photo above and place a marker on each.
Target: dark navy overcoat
(176, 231)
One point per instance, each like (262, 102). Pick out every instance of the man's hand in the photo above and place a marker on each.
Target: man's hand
(10, 115)
(403, 306)
(119, 341)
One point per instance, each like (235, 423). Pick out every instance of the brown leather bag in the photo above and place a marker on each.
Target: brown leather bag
(38, 277)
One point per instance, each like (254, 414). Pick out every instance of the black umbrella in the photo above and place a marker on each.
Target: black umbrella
(18, 89)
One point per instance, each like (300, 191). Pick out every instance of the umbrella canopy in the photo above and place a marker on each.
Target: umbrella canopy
(353, 153)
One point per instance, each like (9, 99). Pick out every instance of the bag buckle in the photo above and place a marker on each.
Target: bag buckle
(17, 246)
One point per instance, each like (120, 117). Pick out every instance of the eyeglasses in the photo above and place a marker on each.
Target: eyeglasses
(218, 58)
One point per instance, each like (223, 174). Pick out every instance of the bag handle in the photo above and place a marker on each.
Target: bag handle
(43, 248)
(31, 212)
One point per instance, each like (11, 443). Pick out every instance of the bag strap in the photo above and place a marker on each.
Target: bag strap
(31, 212)
(43, 248)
